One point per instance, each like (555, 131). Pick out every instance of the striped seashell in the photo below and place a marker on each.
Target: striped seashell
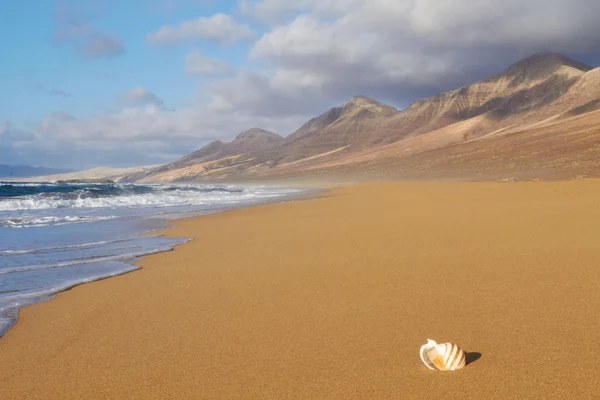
(443, 356)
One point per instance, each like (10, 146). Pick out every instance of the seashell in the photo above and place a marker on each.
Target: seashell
(442, 356)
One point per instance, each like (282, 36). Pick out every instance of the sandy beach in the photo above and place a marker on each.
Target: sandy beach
(331, 298)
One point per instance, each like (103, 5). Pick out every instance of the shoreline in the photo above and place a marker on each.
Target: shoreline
(132, 265)
(332, 297)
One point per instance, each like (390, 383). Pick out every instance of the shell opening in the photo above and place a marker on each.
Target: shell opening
(425, 357)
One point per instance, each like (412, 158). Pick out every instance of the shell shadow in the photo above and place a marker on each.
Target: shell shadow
(471, 357)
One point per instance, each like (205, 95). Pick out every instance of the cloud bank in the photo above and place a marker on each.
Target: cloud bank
(140, 96)
(312, 54)
(220, 28)
(200, 64)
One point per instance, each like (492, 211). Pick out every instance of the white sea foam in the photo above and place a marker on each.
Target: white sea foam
(66, 247)
(175, 196)
(27, 184)
(44, 221)
(22, 298)
(121, 257)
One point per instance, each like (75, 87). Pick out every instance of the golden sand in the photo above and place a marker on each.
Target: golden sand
(332, 298)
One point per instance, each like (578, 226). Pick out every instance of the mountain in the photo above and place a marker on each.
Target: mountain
(252, 140)
(350, 124)
(24, 171)
(531, 86)
(341, 123)
(532, 90)
(546, 94)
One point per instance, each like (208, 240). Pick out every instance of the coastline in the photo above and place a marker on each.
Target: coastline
(16, 300)
(332, 297)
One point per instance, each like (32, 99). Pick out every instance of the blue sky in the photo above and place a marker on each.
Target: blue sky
(37, 59)
(87, 83)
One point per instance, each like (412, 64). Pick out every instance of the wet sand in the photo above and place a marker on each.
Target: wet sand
(331, 298)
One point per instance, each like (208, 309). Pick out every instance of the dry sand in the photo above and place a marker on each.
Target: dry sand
(332, 298)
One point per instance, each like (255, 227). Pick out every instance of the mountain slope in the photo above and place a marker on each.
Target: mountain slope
(564, 148)
(252, 140)
(356, 110)
(348, 125)
(540, 93)
(530, 86)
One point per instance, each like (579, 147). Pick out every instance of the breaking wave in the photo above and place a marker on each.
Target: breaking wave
(44, 221)
(24, 197)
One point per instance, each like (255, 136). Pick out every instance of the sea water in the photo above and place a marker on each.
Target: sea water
(57, 236)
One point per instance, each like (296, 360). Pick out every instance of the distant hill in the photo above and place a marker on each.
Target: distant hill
(252, 140)
(546, 103)
(24, 171)
(98, 173)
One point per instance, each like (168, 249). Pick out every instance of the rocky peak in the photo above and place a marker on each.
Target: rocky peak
(366, 103)
(256, 133)
(541, 66)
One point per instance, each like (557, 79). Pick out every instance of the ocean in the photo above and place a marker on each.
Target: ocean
(57, 236)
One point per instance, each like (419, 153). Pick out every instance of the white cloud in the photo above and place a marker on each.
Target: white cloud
(220, 27)
(169, 6)
(155, 124)
(199, 64)
(71, 31)
(140, 96)
(401, 50)
(52, 91)
(14, 137)
(266, 96)
(469, 22)
(87, 40)
(276, 10)
(315, 53)
(133, 136)
(102, 46)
